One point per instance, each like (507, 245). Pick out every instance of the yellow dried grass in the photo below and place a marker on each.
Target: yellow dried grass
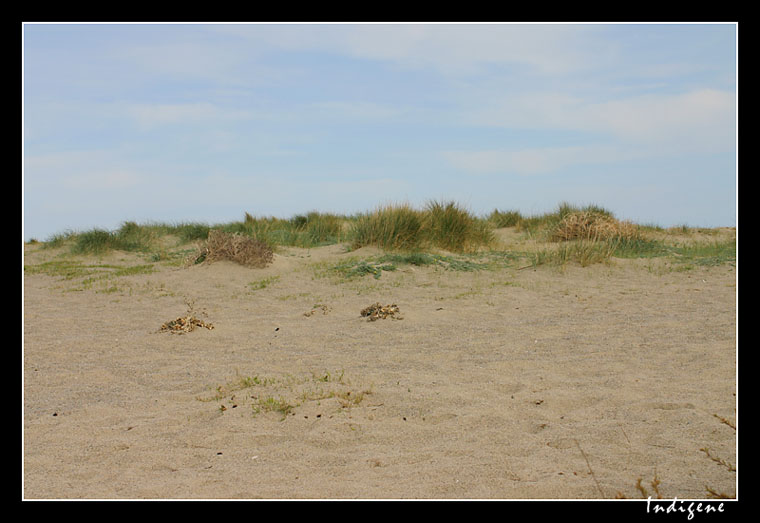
(238, 248)
(589, 225)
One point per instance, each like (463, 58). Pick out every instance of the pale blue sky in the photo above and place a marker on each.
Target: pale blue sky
(204, 122)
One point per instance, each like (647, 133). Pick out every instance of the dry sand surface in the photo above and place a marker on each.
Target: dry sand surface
(496, 384)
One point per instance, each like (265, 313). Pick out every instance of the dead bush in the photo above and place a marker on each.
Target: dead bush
(589, 225)
(235, 247)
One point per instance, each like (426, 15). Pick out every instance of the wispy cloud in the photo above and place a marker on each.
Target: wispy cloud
(187, 55)
(691, 120)
(445, 48)
(697, 121)
(151, 115)
(87, 171)
(469, 48)
(642, 117)
(354, 111)
(536, 160)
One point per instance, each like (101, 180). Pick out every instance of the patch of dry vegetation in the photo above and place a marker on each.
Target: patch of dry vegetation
(187, 323)
(328, 392)
(593, 225)
(377, 311)
(235, 247)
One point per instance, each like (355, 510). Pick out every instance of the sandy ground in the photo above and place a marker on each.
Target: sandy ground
(498, 384)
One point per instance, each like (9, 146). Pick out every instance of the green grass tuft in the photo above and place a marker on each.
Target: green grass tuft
(390, 227)
(451, 227)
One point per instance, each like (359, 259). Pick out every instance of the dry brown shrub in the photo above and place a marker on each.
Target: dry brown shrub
(588, 225)
(238, 248)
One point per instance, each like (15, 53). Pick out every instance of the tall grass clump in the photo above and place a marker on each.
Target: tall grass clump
(310, 230)
(323, 228)
(443, 225)
(271, 230)
(390, 227)
(133, 237)
(129, 237)
(501, 219)
(192, 231)
(94, 241)
(58, 239)
(450, 227)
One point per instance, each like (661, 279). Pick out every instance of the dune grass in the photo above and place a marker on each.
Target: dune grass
(441, 225)
(390, 227)
(310, 230)
(584, 235)
(500, 219)
(129, 237)
(453, 228)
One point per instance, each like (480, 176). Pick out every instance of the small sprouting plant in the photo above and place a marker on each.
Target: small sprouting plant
(272, 404)
(263, 283)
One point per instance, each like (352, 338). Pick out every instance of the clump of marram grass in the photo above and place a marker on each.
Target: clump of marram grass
(501, 219)
(321, 228)
(451, 227)
(391, 227)
(129, 237)
(191, 231)
(310, 230)
(403, 228)
(94, 241)
(235, 247)
(58, 239)
(133, 237)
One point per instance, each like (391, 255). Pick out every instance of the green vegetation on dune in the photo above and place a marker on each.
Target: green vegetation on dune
(570, 234)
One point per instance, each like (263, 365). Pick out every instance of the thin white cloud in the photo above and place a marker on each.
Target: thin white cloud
(87, 171)
(151, 115)
(693, 121)
(354, 111)
(446, 48)
(182, 57)
(534, 160)
(704, 117)
(110, 180)
(467, 48)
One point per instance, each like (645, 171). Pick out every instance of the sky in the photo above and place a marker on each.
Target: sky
(181, 123)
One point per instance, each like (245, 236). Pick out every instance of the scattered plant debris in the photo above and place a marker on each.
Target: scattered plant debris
(187, 323)
(377, 311)
(318, 307)
(184, 324)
